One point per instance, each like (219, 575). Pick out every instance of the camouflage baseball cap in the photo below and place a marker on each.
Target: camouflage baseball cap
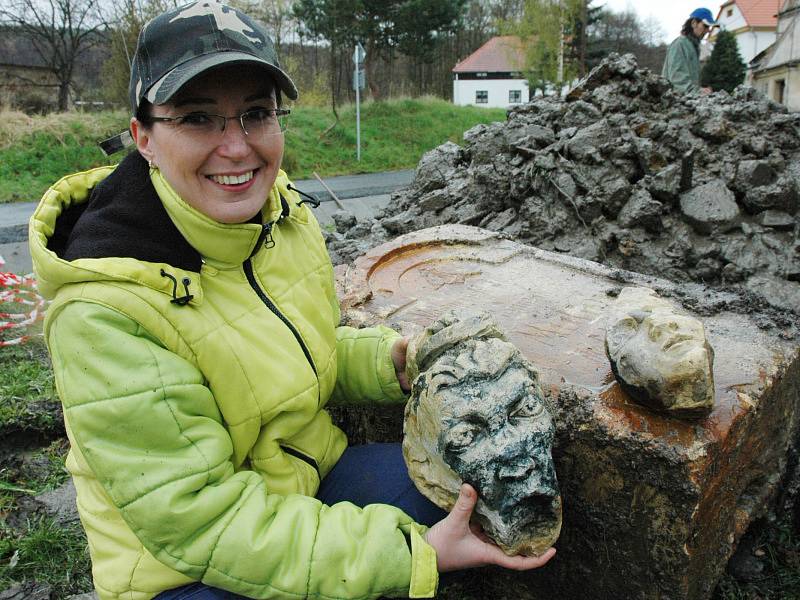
(180, 44)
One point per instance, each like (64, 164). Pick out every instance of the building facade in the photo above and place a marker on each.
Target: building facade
(492, 75)
(752, 22)
(776, 71)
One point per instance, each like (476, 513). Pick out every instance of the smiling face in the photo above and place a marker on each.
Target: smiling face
(227, 178)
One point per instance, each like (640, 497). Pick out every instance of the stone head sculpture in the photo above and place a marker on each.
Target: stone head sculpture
(660, 356)
(477, 415)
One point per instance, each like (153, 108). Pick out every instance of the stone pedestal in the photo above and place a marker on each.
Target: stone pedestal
(653, 506)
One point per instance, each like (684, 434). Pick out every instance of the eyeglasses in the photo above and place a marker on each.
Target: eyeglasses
(258, 122)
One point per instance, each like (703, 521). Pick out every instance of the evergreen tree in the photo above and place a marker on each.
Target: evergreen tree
(414, 27)
(582, 50)
(725, 68)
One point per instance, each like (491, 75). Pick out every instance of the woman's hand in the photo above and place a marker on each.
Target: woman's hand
(461, 545)
(399, 360)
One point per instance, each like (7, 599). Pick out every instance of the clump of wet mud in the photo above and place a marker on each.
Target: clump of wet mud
(627, 172)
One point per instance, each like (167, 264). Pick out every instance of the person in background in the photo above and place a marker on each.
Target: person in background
(195, 341)
(682, 65)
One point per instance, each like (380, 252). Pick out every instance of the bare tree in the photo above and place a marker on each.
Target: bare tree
(653, 33)
(126, 19)
(60, 31)
(277, 15)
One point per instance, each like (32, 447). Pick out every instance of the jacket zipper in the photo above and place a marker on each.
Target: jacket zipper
(248, 271)
(266, 239)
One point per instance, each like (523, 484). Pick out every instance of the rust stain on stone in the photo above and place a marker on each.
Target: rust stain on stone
(552, 315)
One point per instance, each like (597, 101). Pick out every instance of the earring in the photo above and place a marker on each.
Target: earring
(151, 165)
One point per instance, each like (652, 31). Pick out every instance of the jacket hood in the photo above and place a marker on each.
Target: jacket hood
(126, 223)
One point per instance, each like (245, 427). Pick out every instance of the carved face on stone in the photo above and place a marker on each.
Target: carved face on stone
(660, 356)
(477, 415)
(663, 330)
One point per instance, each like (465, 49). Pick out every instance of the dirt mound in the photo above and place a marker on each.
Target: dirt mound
(627, 172)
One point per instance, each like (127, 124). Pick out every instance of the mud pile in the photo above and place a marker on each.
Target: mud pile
(627, 172)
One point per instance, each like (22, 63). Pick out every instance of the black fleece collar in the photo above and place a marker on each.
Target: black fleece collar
(124, 217)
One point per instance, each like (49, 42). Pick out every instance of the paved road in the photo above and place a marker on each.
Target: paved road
(363, 195)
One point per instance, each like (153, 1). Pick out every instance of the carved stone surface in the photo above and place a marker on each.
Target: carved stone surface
(653, 506)
(660, 356)
(477, 415)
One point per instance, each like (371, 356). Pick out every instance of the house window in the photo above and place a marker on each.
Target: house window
(514, 96)
(481, 74)
(730, 12)
(780, 91)
(482, 97)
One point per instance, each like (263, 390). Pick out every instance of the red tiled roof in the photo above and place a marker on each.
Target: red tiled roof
(757, 13)
(502, 54)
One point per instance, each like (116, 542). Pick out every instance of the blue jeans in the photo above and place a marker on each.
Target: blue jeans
(370, 474)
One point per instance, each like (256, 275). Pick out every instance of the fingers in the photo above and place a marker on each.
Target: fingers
(399, 360)
(461, 545)
(522, 563)
(467, 498)
(399, 353)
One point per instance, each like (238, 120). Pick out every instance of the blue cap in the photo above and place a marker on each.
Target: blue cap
(704, 15)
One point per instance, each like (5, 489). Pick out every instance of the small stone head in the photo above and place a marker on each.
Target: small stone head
(477, 415)
(660, 356)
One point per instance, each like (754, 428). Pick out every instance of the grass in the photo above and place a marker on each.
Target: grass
(779, 547)
(31, 473)
(46, 552)
(394, 135)
(33, 547)
(37, 151)
(28, 401)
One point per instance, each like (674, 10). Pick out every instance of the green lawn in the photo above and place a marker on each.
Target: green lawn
(36, 151)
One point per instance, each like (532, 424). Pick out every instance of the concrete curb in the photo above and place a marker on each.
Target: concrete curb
(14, 233)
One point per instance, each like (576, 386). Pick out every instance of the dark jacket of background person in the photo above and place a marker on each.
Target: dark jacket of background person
(682, 65)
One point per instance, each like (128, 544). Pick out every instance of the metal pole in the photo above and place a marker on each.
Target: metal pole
(357, 80)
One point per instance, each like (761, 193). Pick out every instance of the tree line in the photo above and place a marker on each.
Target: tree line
(411, 45)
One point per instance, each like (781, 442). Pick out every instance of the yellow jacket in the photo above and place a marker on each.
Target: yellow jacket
(194, 384)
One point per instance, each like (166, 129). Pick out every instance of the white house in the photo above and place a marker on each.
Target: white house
(492, 75)
(753, 22)
(776, 71)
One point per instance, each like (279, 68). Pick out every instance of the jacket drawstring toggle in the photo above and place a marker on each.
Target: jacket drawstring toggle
(179, 300)
(308, 197)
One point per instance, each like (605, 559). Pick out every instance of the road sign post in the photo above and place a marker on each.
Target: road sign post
(359, 80)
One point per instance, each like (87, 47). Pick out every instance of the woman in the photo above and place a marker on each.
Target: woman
(682, 65)
(194, 344)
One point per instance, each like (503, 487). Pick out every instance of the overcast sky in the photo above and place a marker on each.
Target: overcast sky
(670, 14)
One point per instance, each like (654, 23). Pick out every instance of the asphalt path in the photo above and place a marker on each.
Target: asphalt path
(363, 195)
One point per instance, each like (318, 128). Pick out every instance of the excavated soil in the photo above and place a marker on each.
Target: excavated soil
(627, 172)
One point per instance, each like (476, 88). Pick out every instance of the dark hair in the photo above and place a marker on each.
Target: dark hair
(144, 114)
(688, 27)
